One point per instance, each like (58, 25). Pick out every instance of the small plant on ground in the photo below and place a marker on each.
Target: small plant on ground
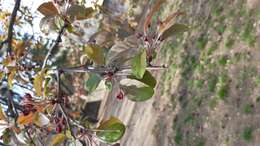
(247, 134)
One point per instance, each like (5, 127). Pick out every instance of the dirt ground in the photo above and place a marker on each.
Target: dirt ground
(210, 94)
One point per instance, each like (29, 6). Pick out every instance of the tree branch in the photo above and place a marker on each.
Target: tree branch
(60, 104)
(11, 105)
(11, 26)
(56, 43)
(104, 70)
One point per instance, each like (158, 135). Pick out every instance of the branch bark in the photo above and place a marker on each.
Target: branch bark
(104, 70)
(56, 43)
(11, 106)
(11, 26)
(60, 104)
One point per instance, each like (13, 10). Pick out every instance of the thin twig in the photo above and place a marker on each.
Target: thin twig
(61, 104)
(11, 26)
(2, 44)
(11, 106)
(56, 43)
(103, 70)
(30, 137)
(92, 130)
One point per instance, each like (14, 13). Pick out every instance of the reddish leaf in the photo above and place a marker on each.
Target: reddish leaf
(28, 119)
(151, 13)
(169, 21)
(48, 9)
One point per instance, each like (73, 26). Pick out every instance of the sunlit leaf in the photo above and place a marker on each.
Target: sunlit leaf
(59, 22)
(92, 83)
(148, 79)
(95, 53)
(28, 119)
(1, 75)
(45, 88)
(80, 12)
(48, 9)
(174, 29)
(2, 116)
(10, 78)
(7, 61)
(69, 135)
(113, 128)
(20, 48)
(139, 64)
(37, 83)
(70, 28)
(57, 139)
(41, 120)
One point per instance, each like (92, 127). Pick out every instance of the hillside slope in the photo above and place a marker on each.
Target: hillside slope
(210, 94)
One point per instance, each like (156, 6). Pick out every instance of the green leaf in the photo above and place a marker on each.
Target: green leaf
(6, 137)
(57, 139)
(1, 75)
(175, 29)
(111, 130)
(95, 53)
(148, 79)
(70, 28)
(68, 134)
(80, 12)
(92, 83)
(135, 93)
(139, 65)
(37, 83)
(109, 85)
(45, 88)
